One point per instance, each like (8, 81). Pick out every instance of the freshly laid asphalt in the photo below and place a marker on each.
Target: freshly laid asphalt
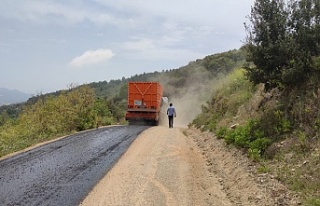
(63, 172)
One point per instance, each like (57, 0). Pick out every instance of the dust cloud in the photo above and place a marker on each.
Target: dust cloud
(187, 101)
(187, 108)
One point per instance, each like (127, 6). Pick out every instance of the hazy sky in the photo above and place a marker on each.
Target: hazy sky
(46, 45)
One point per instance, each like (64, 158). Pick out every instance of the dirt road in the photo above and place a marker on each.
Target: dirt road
(163, 167)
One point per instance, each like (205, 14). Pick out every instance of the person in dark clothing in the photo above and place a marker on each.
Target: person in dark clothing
(171, 112)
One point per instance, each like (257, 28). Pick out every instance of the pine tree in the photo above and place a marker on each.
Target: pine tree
(267, 42)
(283, 42)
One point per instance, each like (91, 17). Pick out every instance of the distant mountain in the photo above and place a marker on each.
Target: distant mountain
(8, 96)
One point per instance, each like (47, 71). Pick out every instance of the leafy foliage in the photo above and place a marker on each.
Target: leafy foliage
(313, 202)
(281, 41)
(224, 62)
(8, 112)
(254, 135)
(249, 137)
(281, 123)
(50, 116)
(46, 116)
(230, 93)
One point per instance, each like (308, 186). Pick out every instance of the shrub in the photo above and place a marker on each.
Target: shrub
(51, 116)
(313, 202)
(221, 133)
(249, 137)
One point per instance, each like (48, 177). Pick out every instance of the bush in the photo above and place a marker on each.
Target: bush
(221, 133)
(249, 137)
(51, 116)
(313, 202)
(230, 93)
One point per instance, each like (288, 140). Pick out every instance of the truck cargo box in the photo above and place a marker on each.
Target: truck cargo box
(144, 102)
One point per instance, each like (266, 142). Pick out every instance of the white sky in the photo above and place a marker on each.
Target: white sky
(46, 45)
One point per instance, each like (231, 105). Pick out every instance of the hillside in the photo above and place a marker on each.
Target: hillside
(8, 96)
(261, 101)
(188, 86)
(184, 77)
(46, 116)
(278, 130)
(192, 82)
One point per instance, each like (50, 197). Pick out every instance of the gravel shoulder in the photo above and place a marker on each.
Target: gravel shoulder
(166, 167)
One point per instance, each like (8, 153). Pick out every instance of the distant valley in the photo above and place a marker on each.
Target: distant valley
(8, 96)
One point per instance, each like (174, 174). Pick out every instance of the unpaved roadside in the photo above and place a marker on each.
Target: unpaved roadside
(165, 167)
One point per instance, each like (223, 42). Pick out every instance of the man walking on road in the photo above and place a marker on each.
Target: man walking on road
(171, 112)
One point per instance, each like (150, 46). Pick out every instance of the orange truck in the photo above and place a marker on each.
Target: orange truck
(144, 102)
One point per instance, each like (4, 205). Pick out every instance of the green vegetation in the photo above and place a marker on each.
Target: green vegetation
(52, 116)
(271, 110)
(263, 98)
(283, 45)
(47, 116)
(8, 112)
(282, 40)
(230, 92)
(278, 129)
(227, 104)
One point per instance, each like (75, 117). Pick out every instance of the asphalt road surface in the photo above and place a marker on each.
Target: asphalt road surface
(63, 172)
